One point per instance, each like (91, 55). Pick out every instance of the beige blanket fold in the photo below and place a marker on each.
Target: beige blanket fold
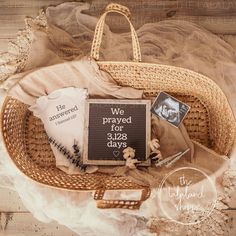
(83, 73)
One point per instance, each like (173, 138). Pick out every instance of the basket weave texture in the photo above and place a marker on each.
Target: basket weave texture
(209, 122)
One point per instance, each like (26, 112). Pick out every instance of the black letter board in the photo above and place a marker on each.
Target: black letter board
(113, 125)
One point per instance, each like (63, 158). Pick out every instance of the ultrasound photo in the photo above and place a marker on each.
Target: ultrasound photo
(170, 109)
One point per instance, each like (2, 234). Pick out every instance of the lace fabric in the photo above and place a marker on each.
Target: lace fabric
(64, 33)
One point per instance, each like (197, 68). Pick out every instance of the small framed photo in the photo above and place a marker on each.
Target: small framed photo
(111, 126)
(170, 109)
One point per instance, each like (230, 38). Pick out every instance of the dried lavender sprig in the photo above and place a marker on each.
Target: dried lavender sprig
(74, 158)
(78, 155)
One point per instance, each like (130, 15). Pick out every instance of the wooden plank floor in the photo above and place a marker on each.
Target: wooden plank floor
(218, 16)
(15, 220)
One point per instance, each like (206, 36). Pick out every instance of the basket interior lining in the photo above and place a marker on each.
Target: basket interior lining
(27, 144)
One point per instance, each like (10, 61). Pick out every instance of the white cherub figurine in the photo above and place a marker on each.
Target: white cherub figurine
(129, 154)
(155, 152)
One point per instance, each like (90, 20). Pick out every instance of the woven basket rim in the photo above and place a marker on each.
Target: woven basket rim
(147, 64)
(139, 64)
(21, 170)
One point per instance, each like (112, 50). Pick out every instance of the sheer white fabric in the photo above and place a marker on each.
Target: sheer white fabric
(169, 42)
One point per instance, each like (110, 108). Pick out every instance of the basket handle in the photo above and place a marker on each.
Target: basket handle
(125, 204)
(97, 39)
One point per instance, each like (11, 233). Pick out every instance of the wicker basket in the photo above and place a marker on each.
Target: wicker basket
(210, 120)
